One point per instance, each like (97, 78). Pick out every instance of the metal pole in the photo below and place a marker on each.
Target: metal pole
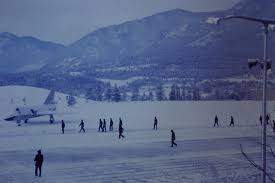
(264, 105)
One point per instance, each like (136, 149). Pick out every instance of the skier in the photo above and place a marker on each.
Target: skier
(232, 122)
(38, 162)
(155, 123)
(82, 126)
(173, 138)
(62, 126)
(120, 129)
(104, 126)
(261, 120)
(100, 125)
(216, 121)
(273, 125)
(111, 124)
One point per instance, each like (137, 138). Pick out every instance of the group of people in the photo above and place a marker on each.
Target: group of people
(232, 123)
(82, 129)
(102, 128)
(102, 125)
(268, 118)
(216, 123)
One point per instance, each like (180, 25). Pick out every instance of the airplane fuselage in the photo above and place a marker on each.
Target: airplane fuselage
(28, 112)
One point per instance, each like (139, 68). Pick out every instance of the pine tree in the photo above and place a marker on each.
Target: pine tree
(196, 94)
(177, 93)
(71, 100)
(172, 94)
(151, 96)
(116, 94)
(108, 94)
(183, 93)
(135, 94)
(124, 95)
(160, 93)
(144, 97)
(95, 93)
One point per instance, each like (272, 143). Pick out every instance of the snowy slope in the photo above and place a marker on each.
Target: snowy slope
(204, 154)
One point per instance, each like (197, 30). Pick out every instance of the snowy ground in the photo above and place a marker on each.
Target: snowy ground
(204, 154)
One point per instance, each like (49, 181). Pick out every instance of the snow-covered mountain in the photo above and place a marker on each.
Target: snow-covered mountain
(19, 54)
(177, 37)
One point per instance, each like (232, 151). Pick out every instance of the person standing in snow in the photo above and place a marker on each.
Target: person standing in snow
(120, 129)
(104, 126)
(82, 126)
(232, 122)
(38, 162)
(267, 119)
(261, 120)
(63, 126)
(216, 121)
(173, 138)
(100, 125)
(111, 124)
(155, 123)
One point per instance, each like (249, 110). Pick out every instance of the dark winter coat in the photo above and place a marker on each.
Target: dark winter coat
(216, 119)
(38, 159)
(120, 129)
(63, 125)
(173, 136)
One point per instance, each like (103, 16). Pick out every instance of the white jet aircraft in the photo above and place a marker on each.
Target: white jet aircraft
(25, 113)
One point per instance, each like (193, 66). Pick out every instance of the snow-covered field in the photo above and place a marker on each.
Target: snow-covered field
(204, 154)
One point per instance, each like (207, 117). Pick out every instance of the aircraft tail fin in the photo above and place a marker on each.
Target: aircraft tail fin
(50, 98)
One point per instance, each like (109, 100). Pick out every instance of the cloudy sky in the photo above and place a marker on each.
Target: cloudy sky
(65, 21)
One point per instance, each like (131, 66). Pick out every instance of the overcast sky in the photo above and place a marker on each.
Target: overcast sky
(65, 21)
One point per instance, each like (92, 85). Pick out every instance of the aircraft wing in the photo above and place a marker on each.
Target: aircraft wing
(54, 113)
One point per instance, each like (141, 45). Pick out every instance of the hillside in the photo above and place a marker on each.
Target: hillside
(25, 54)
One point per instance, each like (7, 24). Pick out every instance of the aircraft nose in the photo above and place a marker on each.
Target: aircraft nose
(9, 118)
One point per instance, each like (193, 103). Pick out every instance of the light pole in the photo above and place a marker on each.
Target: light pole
(266, 23)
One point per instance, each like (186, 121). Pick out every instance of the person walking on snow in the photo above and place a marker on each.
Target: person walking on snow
(173, 138)
(155, 123)
(104, 126)
(82, 126)
(62, 126)
(232, 122)
(100, 125)
(261, 120)
(216, 121)
(111, 124)
(120, 129)
(38, 162)
(267, 119)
